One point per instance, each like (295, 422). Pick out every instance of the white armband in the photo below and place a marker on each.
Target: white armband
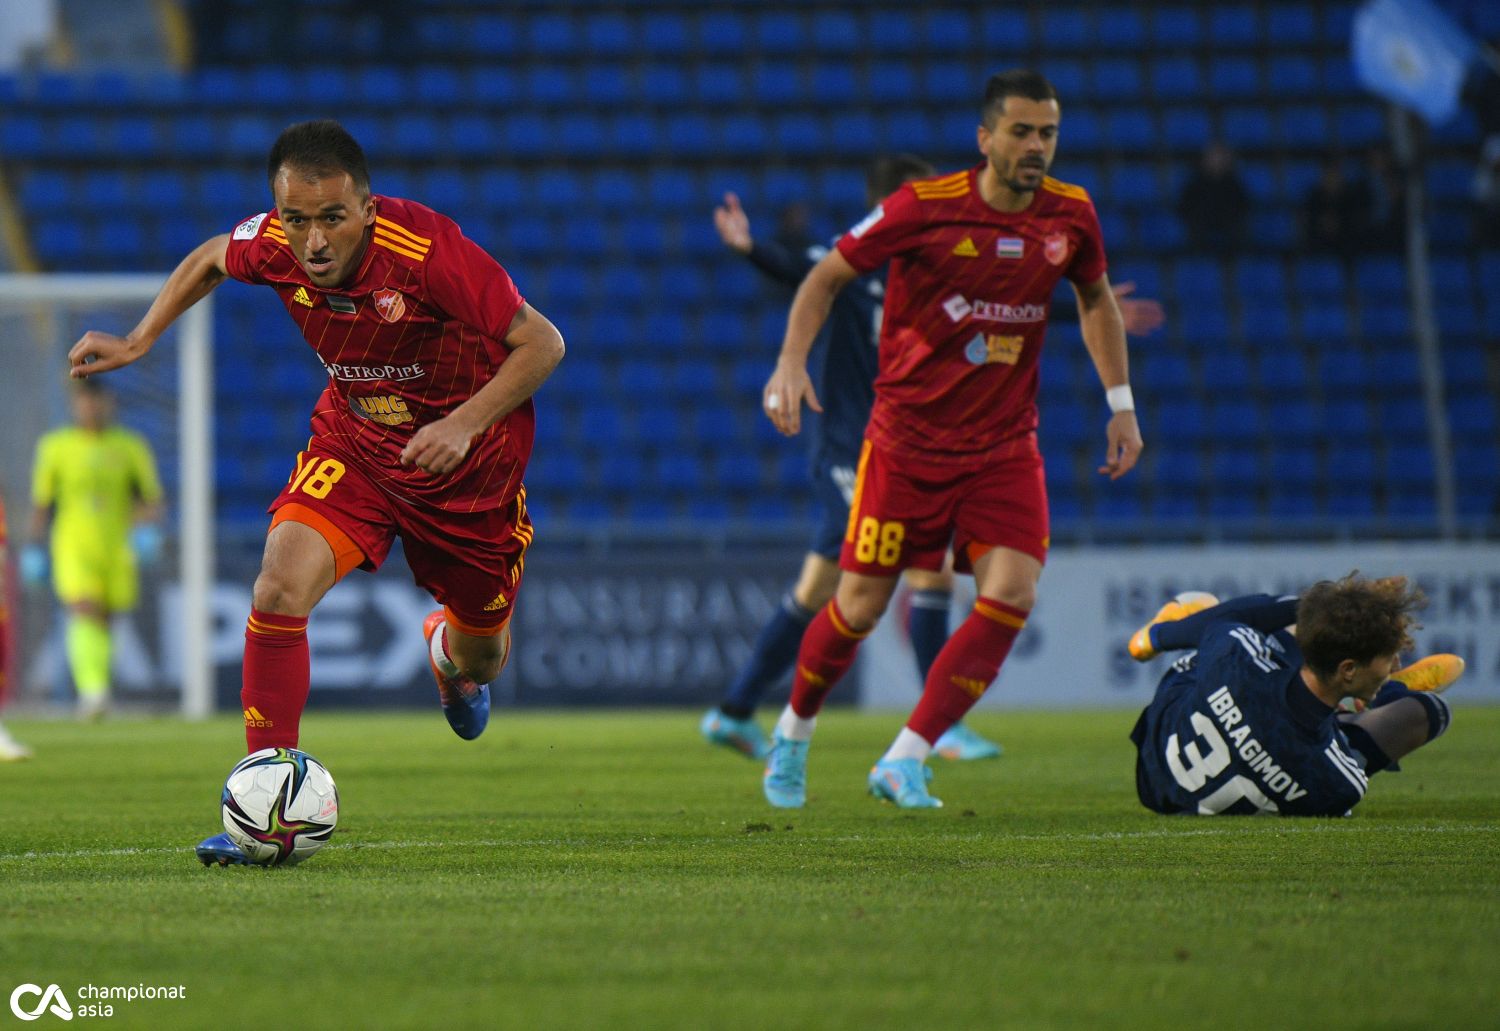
(1120, 399)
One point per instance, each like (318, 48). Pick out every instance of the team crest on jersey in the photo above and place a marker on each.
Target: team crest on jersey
(247, 229)
(1055, 248)
(390, 304)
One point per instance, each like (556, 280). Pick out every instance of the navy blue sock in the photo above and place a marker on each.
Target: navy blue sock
(927, 626)
(1437, 709)
(775, 651)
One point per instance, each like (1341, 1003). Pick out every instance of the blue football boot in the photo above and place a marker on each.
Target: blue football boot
(960, 744)
(465, 703)
(785, 780)
(903, 781)
(744, 736)
(219, 850)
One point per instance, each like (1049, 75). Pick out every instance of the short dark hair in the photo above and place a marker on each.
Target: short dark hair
(886, 174)
(1015, 82)
(1355, 618)
(319, 148)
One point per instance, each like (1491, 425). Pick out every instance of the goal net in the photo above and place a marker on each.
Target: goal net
(160, 654)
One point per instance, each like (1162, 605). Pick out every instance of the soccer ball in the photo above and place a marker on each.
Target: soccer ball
(279, 806)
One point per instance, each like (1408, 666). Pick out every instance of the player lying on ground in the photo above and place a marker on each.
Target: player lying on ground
(1249, 722)
(424, 429)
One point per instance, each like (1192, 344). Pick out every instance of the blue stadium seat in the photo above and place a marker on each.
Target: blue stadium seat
(1323, 277)
(549, 85)
(665, 34)
(893, 31)
(1409, 466)
(722, 33)
(1359, 125)
(381, 86)
(947, 31)
(437, 85)
(1132, 130)
(1292, 75)
(1117, 79)
(658, 426)
(1472, 415)
(1176, 79)
(554, 35)
(621, 472)
(604, 34)
(689, 135)
(1070, 79)
(1293, 422)
(1403, 417)
(1246, 127)
(1345, 370)
(778, 83)
(493, 85)
(780, 32)
(1325, 322)
(891, 82)
(834, 83)
(1186, 128)
(738, 471)
(1347, 421)
(1064, 29)
(1176, 27)
(1295, 466)
(836, 32)
(1236, 420)
(1464, 367)
(1291, 24)
(1121, 28)
(1234, 78)
(1388, 318)
(1224, 373)
(483, 35)
(1234, 25)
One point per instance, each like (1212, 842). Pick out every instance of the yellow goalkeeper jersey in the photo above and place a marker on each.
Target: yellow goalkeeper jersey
(92, 481)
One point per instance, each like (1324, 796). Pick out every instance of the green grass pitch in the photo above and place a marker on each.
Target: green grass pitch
(610, 870)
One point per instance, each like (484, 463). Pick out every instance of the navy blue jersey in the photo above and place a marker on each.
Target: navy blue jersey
(1233, 729)
(845, 355)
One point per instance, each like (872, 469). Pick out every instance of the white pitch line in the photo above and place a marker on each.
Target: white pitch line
(1199, 832)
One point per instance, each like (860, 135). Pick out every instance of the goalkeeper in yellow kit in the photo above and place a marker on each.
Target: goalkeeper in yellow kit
(97, 483)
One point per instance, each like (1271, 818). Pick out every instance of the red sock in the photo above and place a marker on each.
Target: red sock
(276, 678)
(966, 666)
(827, 652)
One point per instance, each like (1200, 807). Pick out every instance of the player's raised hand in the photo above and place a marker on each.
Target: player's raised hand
(438, 447)
(1124, 448)
(100, 352)
(1141, 315)
(782, 399)
(733, 224)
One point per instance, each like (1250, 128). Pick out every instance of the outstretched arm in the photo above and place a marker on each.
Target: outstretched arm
(192, 280)
(789, 384)
(1260, 612)
(780, 263)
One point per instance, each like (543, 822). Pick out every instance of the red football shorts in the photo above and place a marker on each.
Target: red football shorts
(471, 562)
(906, 516)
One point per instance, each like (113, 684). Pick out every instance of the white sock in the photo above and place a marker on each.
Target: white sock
(439, 651)
(794, 727)
(908, 745)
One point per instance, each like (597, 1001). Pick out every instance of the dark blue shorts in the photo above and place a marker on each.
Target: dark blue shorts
(833, 486)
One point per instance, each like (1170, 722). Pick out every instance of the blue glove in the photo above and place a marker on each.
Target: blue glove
(33, 564)
(145, 541)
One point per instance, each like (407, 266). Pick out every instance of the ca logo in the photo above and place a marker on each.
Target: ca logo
(53, 995)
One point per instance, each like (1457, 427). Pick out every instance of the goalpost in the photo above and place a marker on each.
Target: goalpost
(167, 396)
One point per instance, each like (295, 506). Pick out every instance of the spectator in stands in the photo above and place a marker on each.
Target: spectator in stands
(1487, 194)
(1215, 204)
(1336, 212)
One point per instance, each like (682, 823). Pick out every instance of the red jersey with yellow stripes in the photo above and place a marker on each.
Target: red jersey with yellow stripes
(414, 333)
(966, 305)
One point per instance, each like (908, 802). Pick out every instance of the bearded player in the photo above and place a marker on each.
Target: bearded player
(424, 430)
(950, 454)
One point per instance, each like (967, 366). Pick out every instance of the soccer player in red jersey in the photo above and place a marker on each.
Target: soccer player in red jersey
(950, 453)
(424, 429)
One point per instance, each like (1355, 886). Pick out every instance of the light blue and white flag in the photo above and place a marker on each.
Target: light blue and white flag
(1411, 53)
